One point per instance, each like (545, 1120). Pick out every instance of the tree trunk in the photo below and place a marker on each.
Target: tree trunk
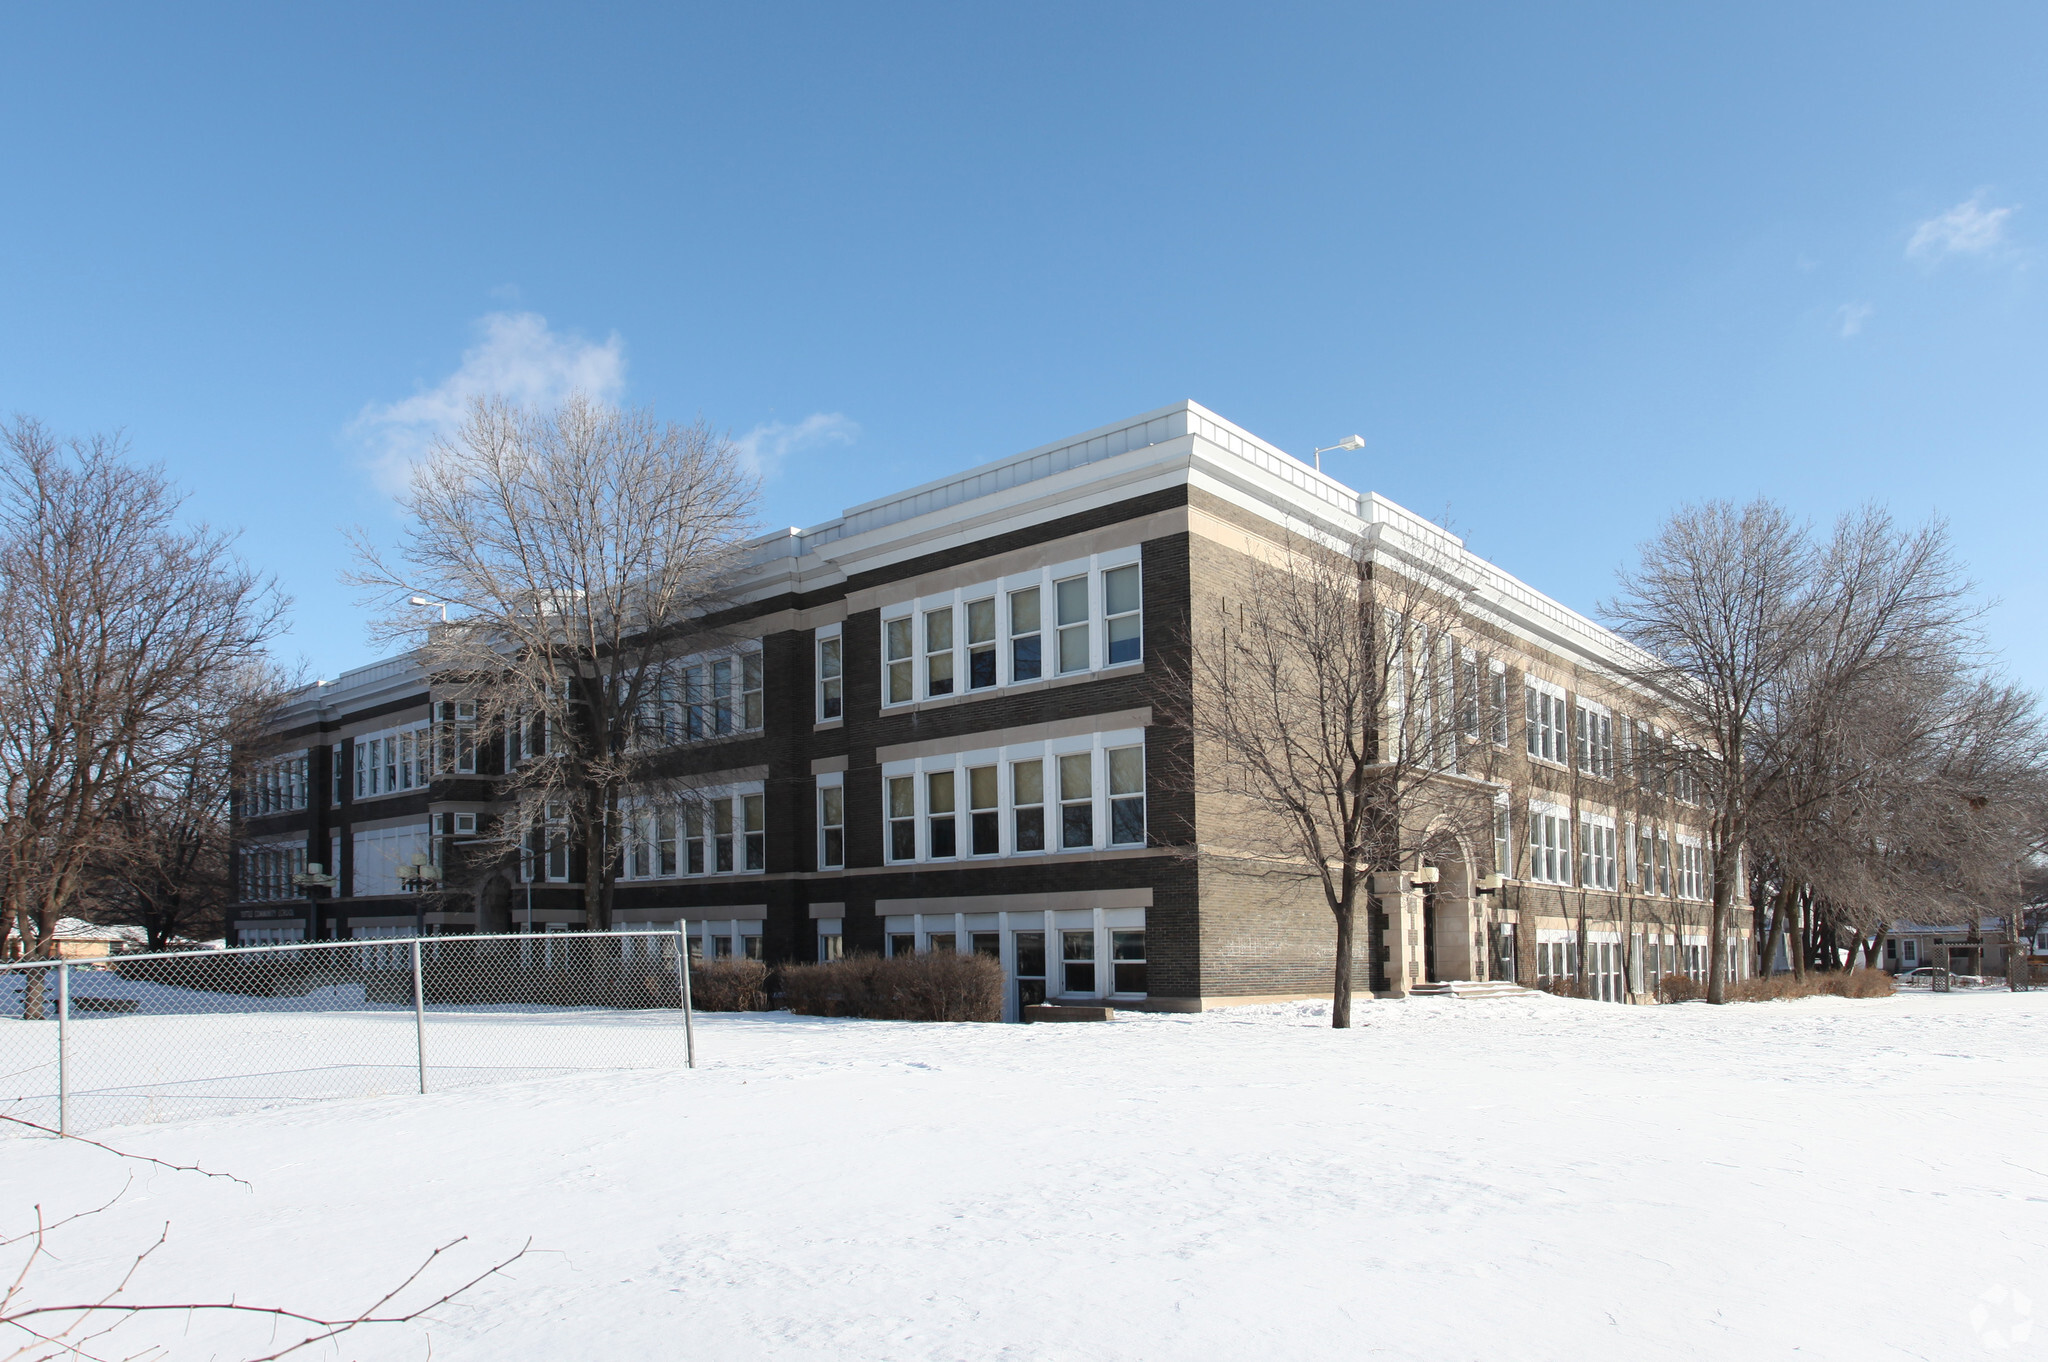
(1760, 930)
(1779, 910)
(1579, 981)
(1726, 860)
(1340, 988)
(597, 859)
(1798, 934)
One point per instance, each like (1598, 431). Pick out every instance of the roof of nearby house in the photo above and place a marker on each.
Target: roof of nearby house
(1901, 927)
(78, 929)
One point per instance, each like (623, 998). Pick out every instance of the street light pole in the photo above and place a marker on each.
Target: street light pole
(1348, 442)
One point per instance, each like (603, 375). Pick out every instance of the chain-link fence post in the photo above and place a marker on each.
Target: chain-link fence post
(683, 987)
(419, 1015)
(63, 1049)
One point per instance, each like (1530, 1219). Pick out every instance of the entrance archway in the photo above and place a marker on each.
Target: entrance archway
(1453, 941)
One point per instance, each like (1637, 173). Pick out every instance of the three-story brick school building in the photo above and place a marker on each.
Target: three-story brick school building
(947, 729)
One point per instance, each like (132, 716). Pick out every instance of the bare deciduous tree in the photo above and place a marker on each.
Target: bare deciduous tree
(1768, 644)
(1325, 722)
(575, 549)
(121, 630)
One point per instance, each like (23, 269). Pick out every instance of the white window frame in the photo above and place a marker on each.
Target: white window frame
(1503, 839)
(960, 656)
(1005, 758)
(687, 696)
(924, 932)
(1689, 867)
(832, 634)
(411, 751)
(836, 783)
(378, 852)
(1593, 738)
(280, 784)
(740, 799)
(1550, 843)
(1545, 736)
(264, 870)
(1600, 862)
(1497, 698)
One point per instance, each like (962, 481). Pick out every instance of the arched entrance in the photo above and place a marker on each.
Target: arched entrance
(1453, 936)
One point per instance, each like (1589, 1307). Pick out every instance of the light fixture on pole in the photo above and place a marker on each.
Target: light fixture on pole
(1348, 442)
(424, 602)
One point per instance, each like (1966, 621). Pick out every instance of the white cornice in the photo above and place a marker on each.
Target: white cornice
(1181, 444)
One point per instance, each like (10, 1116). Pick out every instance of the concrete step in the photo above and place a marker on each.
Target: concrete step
(1468, 988)
(1067, 1012)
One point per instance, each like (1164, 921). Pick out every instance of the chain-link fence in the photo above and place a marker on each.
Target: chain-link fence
(92, 1043)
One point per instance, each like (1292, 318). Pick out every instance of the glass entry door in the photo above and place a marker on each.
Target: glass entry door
(1029, 949)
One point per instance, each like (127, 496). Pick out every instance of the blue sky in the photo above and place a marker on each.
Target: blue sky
(1564, 267)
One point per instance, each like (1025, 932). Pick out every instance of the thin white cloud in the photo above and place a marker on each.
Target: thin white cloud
(516, 356)
(1969, 228)
(1850, 318)
(768, 445)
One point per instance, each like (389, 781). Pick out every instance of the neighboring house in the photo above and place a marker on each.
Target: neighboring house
(81, 940)
(947, 734)
(1909, 945)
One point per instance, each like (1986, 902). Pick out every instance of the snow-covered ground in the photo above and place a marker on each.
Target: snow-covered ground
(1524, 1178)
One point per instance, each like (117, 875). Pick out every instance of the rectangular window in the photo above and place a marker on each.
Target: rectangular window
(557, 832)
(638, 850)
(751, 695)
(721, 835)
(938, 652)
(1127, 796)
(831, 945)
(1071, 599)
(1127, 960)
(665, 839)
(832, 827)
(696, 704)
(335, 764)
(831, 684)
(1077, 800)
(941, 839)
(1594, 738)
(1550, 848)
(941, 943)
(1597, 861)
(1503, 844)
(1077, 961)
(897, 660)
(1121, 616)
(902, 818)
(1024, 635)
(1545, 725)
(981, 644)
(1468, 697)
(721, 696)
(981, 803)
(1028, 949)
(1497, 682)
(754, 826)
(902, 943)
(693, 838)
(1027, 799)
